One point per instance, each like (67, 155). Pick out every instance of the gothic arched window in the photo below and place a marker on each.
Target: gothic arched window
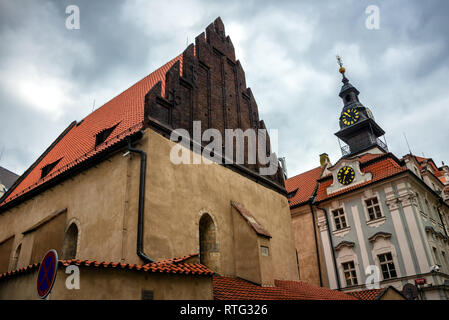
(70, 242)
(209, 253)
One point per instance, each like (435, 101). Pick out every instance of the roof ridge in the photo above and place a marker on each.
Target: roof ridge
(181, 268)
(77, 142)
(135, 84)
(36, 162)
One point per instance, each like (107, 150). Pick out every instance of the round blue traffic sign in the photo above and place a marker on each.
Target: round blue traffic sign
(47, 273)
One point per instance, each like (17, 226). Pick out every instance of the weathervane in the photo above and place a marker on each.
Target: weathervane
(342, 70)
(340, 62)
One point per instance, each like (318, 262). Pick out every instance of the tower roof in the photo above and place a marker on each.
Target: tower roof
(346, 85)
(358, 129)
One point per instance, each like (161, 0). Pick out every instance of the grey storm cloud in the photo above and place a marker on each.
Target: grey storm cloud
(50, 76)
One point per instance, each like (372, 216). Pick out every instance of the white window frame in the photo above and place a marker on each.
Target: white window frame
(334, 218)
(352, 271)
(387, 262)
(367, 207)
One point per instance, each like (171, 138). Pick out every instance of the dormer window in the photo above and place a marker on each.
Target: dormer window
(47, 168)
(292, 193)
(103, 135)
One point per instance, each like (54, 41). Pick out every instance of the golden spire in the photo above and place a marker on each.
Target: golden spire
(342, 70)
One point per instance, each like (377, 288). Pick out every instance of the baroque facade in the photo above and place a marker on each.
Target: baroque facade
(376, 214)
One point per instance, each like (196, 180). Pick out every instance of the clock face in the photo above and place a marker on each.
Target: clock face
(346, 175)
(350, 116)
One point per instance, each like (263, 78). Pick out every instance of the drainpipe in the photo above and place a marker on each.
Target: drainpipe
(316, 242)
(334, 260)
(140, 220)
(441, 217)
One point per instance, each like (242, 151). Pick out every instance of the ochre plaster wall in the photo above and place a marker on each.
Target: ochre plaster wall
(103, 200)
(105, 284)
(302, 223)
(177, 196)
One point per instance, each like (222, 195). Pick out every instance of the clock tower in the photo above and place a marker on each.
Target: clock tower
(358, 129)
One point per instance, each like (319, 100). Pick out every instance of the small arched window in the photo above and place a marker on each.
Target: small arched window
(209, 252)
(70, 243)
(15, 258)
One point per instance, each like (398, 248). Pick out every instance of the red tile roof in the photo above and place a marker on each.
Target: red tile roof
(376, 294)
(370, 156)
(125, 111)
(305, 183)
(439, 174)
(384, 167)
(171, 266)
(227, 288)
(371, 294)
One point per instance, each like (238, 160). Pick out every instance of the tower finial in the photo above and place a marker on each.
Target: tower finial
(342, 70)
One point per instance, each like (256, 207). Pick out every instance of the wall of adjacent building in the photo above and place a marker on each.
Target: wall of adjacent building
(405, 218)
(178, 195)
(109, 284)
(302, 222)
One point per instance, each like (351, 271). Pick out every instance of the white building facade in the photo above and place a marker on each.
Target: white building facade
(382, 220)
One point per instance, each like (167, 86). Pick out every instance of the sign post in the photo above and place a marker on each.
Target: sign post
(47, 274)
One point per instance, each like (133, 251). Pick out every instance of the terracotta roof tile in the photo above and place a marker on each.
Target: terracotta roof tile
(381, 169)
(160, 267)
(305, 183)
(437, 172)
(371, 294)
(227, 288)
(125, 111)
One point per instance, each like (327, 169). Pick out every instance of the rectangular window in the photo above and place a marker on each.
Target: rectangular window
(265, 251)
(147, 295)
(435, 255)
(339, 218)
(420, 204)
(387, 265)
(373, 208)
(350, 274)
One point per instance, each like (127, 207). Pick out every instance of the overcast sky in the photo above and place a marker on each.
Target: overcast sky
(50, 76)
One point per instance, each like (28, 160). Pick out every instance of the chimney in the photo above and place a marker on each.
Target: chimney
(324, 160)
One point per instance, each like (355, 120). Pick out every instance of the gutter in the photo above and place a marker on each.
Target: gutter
(316, 242)
(441, 216)
(334, 260)
(79, 167)
(141, 209)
